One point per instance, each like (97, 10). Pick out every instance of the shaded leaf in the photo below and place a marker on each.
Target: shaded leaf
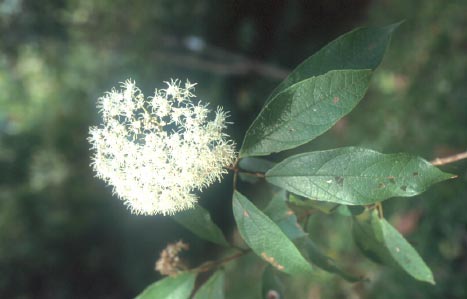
(304, 111)
(362, 48)
(178, 287)
(266, 239)
(320, 259)
(213, 288)
(354, 176)
(323, 206)
(349, 210)
(280, 213)
(253, 164)
(272, 285)
(383, 243)
(199, 222)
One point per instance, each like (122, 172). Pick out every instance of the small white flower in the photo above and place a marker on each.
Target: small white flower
(157, 152)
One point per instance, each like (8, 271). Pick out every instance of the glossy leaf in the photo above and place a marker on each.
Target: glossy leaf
(362, 48)
(199, 222)
(266, 239)
(354, 176)
(272, 287)
(178, 287)
(320, 259)
(304, 111)
(383, 243)
(213, 288)
(280, 213)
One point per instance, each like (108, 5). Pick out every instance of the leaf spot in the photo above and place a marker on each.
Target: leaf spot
(329, 181)
(404, 188)
(398, 249)
(339, 180)
(415, 173)
(381, 186)
(245, 214)
(392, 179)
(272, 261)
(336, 100)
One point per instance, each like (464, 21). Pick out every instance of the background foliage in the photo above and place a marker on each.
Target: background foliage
(62, 234)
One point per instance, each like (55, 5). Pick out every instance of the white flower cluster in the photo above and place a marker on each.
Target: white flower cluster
(157, 152)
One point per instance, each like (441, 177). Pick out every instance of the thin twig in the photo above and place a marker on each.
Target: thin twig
(238, 68)
(449, 159)
(256, 174)
(216, 264)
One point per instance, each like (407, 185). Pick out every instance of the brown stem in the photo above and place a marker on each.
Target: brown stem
(215, 264)
(256, 174)
(449, 159)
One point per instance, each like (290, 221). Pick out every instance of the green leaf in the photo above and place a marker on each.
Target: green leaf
(383, 243)
(362, 48)
(300, 201)
(349, 210)
(354, 176)
(199, 222)
(304, 111)
(213, 288)
(317, 257)
(178, 287)
(280, 213)
(272, 285)
(266, 239)
(255, 164)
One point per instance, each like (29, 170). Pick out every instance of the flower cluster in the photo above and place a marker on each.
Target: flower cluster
(157, 152)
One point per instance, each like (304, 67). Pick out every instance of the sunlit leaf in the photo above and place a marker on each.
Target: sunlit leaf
(354, 176)
(178, 287)
(362, 48)
(266, 239)
(304, 111)
(383, 243)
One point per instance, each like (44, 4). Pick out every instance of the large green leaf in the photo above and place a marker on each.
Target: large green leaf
(213, 288)
(198, 221)
(278, 211)
(304, 111)
(383, 243)
(266, 239)
(354, 176)
(178, 287)
(362, 48)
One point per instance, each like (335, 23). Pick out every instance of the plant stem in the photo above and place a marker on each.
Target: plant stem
(215, 264)
(449, 159)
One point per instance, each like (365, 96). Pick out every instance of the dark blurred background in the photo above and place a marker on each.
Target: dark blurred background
(62, 233)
